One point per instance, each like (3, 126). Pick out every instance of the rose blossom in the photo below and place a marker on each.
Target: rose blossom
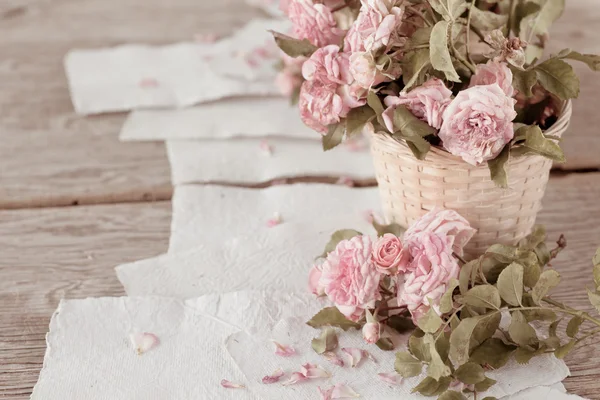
(433, 266)
(320, 105)
(353, 41)
(378, 21)
(314, 22)
(314, 278)
(328, 65)
(427, 102)
(494, 72)
(478, 123)
(364, 70)
(372, 329)
(443, 222)
(350, 278)
(389, 255)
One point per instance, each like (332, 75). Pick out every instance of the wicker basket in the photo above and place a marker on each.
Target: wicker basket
(409, 188)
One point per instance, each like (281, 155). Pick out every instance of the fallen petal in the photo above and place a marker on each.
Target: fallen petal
(346, 181)
(312, 371)
(325, 394)
(369, 216)
(390, 377)
(284, 351)
(276, 220)
(296, 377)
(333, 358)
(341, 391)
(274, 377)
(142, 342)
(148, 83)
(355, 355)
(266, 147)
(230, 385)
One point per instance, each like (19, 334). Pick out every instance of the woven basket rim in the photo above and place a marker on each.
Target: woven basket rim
(442, 154)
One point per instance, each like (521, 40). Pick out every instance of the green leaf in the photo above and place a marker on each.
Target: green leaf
(407, 123)
(446, 300)
(331, 316)
(334, 136)
(592, 60)
(437, 368)
(520, 331)
(464, 277)
(451, 395)
(539, 144)
(337, 237)
(486, 296)
(493, 352)
(486, 20)
(523, 10)
(549, 279)
(524, 81)
(523, 354)
(406, 365)
(497, 168)
(594, 299)
(573, 326)
(418, 347)
(414, 67)
(394, 229)
(431, 387)
(564, 350)
(326, 341)
(450, 10)
(357, 119)
(294, 47)
(503, 253)
(470, 373)
(471, 333)
(539, 23)
(375, 104)
(510, 284)
(430, 322)
(534, 239)
(559, 78)
(439, 51)
(484, 385)
(385, 344)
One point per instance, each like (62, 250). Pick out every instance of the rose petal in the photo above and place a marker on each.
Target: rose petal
(266, 147)
(230, 385)
(342, 391)
(274, 377)
(325, 394)
(333, 358)
(284, 351)
(142, 342)
(345, 180)
(148, 83)
(276, 220)
(356, 355)
(312, 371)
(296, 377)
(390, 377)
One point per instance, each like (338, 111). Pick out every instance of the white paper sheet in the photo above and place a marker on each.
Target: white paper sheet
(203, 212)
(227, 118)
(205, 340)
(177, 75)
(243, 161)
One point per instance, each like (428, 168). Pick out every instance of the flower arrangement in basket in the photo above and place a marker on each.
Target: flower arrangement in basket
(469, 317)
(447, 89)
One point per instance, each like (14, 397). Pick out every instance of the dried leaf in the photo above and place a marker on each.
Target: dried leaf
(385, 344)
(484, 385)
(406, 365)
(450, 10)
(523, 10)
(549, 279)
(430, 322)
(400, 324)
(394, 229)
(439, 51)
(418, 347)
(559, 78)
(431, 387)
(564, 350)
(573, 326)
(337, 237)
(357, 119)
(464, 277)
(446, 300)
(326, 341)
(486, 20)
(437, 368)
(470, 373)
(538, 24)
(592, 60)
(294, 47)
(414, 67)
(536, 142)
(452, 395)
(596, 261)
(524, 81)
(537, 236)
(594, 299)
(331, 316)
(493, 352)
(486, 296)
(471, 333)
(520, 331)
(510, 284)
(334, 136)
(497, 168)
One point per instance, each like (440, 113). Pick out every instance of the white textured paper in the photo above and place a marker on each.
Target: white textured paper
(178, 75)
(205, 340)
(243, 161)
(201, 213)
(227, 118)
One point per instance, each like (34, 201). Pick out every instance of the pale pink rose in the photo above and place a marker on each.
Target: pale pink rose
(379, 22)
(443, 222)
(365, 71)
(329, 66)
(350, 278)
(284, 5)
(478, 123)
(320, 105)
(314, 22)
(353, 42)
(427, 102)
(314, 280)
(432, 268)
(389, 255)
(494, 72)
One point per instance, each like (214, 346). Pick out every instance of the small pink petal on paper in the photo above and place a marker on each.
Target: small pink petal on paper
(355, 355)
(283, 350)
(296, 377)
(262, 52)
(369, 216)
(346, 181)
(230, 385)
(390, 377)
(252, 62)
(333, 358)
(325, 393)
(206, 37)
(274, 377)
(341, 391)
(142, 342)
(266, 147)
(148, 83)
(276, 220)
(312, 371)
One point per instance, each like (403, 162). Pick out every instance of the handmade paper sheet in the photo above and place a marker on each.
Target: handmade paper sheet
(229, 336)
(246, 161)
(227, 118)
(177, 75)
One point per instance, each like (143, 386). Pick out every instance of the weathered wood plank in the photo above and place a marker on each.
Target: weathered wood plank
(49, 254)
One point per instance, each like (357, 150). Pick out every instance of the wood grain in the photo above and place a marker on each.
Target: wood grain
(49, 254)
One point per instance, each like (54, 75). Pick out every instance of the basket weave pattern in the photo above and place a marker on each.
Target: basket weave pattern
(410, 188)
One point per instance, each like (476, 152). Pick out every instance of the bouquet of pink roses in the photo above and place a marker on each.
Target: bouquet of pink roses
(467, 77)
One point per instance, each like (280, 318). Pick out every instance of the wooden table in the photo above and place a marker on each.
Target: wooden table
(75, 202)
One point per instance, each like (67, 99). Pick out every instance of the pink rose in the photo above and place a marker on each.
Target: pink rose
(494, 72)
(353, 42)
(365, 71)
(432, 268)
(478, 123)
(427, 102)
(329, 66)
(320, 106)
(350, 278)
(378, 22)
(314, 22)
(314, 278)
(443, 222)
(371, 332)
(389, 255)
